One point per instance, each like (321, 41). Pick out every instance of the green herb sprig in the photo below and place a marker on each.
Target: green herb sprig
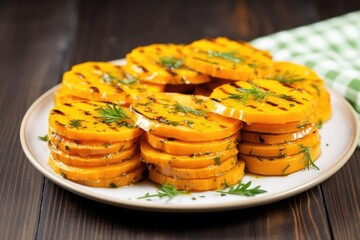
(309, 162)
(287, 78)
(185, 109)
(258, 94)
(230, 56)
(44, 138)
(115, 80)
(171, 62)
(112, 113)
(242, 189)
(167, 190)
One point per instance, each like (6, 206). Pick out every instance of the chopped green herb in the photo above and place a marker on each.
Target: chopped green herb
(63, 175)
(309, 163)
(115, 80)
(170, 62)
(113, 185)
(304, 125)
(230, 56)
(185, 109)
(286, 97)
(217, 160)
(44, 138)
(258, 94)
(243, 190)
(319, 124)
(316, 88)
(75, 123)
(167, 190)
(107, 145)
(112, 113)
(67, 147)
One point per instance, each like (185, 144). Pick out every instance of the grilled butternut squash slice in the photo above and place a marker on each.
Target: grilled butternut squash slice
(82, 121)
(157, 157)
(280, 128)
(176, 147)
(98, 172)
(302, 77)
(281, 166)
(231, 177)
(183, 117)
(92, 161)
(88, 148)
(265, 138)
(106, 82)
(261, 101)
(227, 59)
(196, 173)
(127, 179)
(64, 96)
(162, 64)
(279, 150)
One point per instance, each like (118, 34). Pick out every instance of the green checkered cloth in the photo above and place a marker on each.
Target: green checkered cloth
(330, 47)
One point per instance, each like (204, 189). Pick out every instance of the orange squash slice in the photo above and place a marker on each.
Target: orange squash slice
(82, 121)
(157, 157)
(106, 82)
(191, 173)
(261, 101)
(227, 59)
(184, 117)
(162, 64)
(88, 148)
(279, 150)
(98, 172)
(280, 166)
(231, 177)
(265, 138)
(176, 147)
(92, 161)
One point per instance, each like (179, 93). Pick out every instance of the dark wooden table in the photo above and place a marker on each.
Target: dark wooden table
(39, 40)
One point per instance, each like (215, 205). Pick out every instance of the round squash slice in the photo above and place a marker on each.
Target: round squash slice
(176, 147)
(157, 157)
(106, 82)
(231, 177)
(93, 121)
(302, 77)
(261, 101)
(98, 172)
(162, 64)
(183, 117)
(227, 59)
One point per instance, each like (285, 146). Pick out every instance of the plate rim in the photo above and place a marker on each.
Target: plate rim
(208, 207)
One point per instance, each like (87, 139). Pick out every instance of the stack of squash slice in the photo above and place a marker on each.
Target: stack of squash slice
(185, 144)
(279, 136)
(89, 147)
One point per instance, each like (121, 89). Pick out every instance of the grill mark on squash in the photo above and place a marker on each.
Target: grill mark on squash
(58, 112)
(94, 89)
(272, 104)
(284, 109)
(80, 75)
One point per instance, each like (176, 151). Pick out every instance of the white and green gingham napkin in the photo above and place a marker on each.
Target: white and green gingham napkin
(330, 47)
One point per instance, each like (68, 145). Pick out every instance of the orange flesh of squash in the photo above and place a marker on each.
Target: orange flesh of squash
(155, 156)
(184, 117)
(275, 103)
(231, 177)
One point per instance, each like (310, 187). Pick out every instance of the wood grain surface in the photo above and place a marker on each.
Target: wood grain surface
(39, 40)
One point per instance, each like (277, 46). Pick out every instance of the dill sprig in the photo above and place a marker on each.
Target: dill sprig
(44, 138)
(287, 77)
(185, 109)
(258, 94)
(309, 163)
(113, 113)
(243, 190)
(166, 190)
(171, 62)
(226, 55)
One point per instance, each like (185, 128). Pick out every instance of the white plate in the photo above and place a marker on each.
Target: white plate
(339, 138)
